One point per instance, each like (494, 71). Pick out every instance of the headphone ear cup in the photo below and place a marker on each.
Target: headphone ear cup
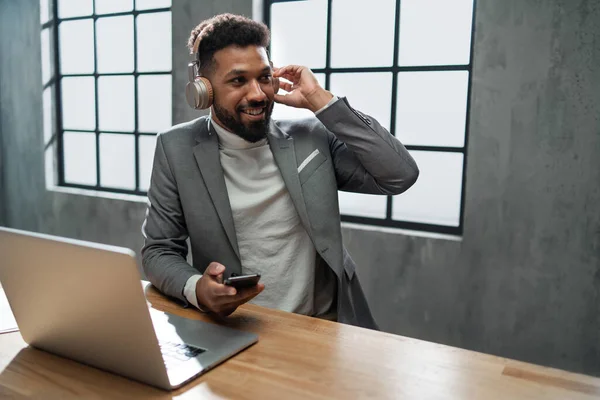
(199, 93)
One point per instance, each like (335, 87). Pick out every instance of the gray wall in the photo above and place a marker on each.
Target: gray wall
(525, 280)
(2, 171)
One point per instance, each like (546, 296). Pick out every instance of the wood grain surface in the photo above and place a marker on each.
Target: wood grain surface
(299, 357)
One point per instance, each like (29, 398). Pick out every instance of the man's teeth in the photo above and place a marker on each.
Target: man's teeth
(254, 111)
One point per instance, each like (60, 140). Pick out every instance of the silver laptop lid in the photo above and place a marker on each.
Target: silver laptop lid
(47, 281)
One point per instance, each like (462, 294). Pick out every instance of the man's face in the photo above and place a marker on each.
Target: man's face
(243, 91)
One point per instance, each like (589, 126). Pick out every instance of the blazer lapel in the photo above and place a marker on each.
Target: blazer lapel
(282, 147)
(206, 153)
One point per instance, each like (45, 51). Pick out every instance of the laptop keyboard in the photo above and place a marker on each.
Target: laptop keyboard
(175, 354)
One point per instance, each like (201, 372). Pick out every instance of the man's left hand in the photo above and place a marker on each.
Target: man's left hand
(303, 88)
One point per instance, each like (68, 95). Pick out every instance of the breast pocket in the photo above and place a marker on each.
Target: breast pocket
(310, 164)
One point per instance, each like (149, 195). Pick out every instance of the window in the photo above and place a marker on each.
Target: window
(407, 63)
(106, 68)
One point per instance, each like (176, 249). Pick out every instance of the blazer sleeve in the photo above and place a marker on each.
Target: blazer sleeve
(366, 157)
(165, 232)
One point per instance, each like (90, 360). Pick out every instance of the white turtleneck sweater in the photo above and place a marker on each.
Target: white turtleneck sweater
(271, 238)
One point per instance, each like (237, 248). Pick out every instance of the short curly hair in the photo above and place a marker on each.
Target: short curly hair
(226, 30)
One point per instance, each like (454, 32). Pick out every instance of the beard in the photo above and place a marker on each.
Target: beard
(251, 132)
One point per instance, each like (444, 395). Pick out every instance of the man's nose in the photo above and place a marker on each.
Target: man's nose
(255, 92)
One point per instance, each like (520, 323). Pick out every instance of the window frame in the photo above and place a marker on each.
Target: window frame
(395, 69)
(54, 24)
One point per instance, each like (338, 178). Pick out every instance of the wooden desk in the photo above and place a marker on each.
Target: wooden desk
(300, 358)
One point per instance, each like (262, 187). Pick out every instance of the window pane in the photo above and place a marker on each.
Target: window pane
(114, 38)
(78, 103)
(116, 108)
(117, 161)
(113, 6)
(288, 46)
(149, 4)
(80, 157)
(281, 111)
(369, 93)
(77, 47)
(435, 32)
(366, 44)
(74, 8)
(363, 205)
(154, 102)
(46, 61)
(432, 108)
(45, 11)
(47, 114)
(435, 198)
(147, 144)
(154, 42)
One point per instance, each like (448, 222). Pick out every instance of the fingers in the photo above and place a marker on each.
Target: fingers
(288, 69)
(290, 72)
(214, 269)
(243, 296)
(287, 86)
(219, 298)
(219, 290)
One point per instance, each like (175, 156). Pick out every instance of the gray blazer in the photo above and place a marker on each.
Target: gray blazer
(188, 196)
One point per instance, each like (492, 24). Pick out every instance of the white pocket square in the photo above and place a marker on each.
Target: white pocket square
(308, 159)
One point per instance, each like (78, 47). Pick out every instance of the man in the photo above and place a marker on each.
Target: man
(258, 196)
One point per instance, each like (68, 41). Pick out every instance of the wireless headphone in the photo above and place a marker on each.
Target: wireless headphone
(199, 91)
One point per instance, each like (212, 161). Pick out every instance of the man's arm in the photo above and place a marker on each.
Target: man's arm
(165, 233)
(366, 157)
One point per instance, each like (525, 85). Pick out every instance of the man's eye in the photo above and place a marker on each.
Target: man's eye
(238, 80)
(266, 77)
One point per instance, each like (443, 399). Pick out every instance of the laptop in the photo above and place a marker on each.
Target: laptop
(85, 301)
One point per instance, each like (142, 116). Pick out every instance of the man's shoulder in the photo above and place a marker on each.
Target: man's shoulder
(186, 131)
(301, 126)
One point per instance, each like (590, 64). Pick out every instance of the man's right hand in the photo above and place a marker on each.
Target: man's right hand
(213, 295)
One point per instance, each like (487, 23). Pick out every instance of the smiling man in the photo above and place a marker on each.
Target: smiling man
(256, 196)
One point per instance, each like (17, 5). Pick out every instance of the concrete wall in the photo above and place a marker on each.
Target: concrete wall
(525, 280)
(2, 172)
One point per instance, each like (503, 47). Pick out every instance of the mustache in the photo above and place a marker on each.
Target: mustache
(254, 104)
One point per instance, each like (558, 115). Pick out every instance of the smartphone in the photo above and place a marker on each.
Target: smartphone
(242, 281)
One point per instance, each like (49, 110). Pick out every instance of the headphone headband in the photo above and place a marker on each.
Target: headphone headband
(197, 44)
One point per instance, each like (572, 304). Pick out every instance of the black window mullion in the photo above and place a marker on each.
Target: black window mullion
(135, 105)
(467, 124)
(388, 212)
(442, 149)
(393, 69)
(415, 226)
(98, 74)
(118, 14)
(327, 69)
(58, 96)
(97, 105)
(105, 189)
(103, 131)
